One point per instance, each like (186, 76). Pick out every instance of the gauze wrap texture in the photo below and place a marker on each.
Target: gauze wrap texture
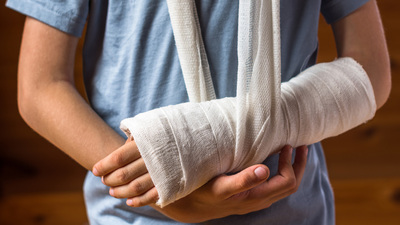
(186, 145)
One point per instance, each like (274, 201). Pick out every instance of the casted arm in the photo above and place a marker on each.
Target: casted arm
(323, 101)
(50, 104)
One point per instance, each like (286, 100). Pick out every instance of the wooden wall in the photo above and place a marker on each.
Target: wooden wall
(40, 185)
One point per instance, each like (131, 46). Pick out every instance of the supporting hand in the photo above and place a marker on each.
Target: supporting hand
(242, 193)
(125, 173)
(247, 191)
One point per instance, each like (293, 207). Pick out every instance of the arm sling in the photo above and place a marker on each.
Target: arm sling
(186, 145)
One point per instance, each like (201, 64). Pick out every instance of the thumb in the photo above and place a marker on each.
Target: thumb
(229, 185)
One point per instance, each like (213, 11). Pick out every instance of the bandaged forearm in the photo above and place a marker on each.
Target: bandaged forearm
(186, 145)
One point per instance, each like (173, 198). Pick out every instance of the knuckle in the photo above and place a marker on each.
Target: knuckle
(138, 202)
(221, 194)
(244, 182)
(117, 159)
(137, 187)
(154, 198)
(122, 175)
(291, 184)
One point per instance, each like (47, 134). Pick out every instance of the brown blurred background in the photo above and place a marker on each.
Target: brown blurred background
(41, 185)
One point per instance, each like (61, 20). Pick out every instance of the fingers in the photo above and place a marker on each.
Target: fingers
(125, 174)
(289, 176)
(299, 165)
(283, 183)
(149, 197)
(226, 186)
(120, 157)
(285, 162)
(135, 188)
(293, 180)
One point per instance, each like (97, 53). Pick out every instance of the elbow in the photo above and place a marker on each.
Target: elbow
(385, 89)
(26, 99)
(382, 83)
(23, 104)
(379, 73)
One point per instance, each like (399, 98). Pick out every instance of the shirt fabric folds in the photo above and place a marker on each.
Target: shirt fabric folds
(131, 66)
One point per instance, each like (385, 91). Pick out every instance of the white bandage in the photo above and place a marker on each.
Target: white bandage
(186, 145)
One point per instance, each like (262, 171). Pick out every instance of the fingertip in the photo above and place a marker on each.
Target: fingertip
(285, 161)
(302, 150)
(95, 171)
(290, 149)
(111, 192)
(129, 202)
(150, 197)
(300, 161)
(306, 151)
(133, 202)
(261, 172)
(286, 154)
(244, 180)
(287, 149)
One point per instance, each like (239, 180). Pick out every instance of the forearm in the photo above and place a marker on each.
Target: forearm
(326, 101)
(49, 102)
(61, 115)
(323, 101)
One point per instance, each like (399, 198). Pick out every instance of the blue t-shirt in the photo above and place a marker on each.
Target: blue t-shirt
(131, 66)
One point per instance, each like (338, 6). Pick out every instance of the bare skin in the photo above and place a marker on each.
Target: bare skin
(49, 102)
(240, 193)
(127, 179)
(125, 173)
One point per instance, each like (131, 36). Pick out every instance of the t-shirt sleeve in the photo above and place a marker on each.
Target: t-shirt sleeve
(334, 10)
(67, 16)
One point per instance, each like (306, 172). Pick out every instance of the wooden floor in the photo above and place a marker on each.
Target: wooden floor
(40, 185)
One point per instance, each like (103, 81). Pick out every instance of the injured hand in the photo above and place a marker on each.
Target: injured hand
(186, 145)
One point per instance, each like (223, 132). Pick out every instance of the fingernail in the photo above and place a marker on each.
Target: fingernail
(111, 192)
(95, 172)
(129, 202)
(261, 173)
(102, 180)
